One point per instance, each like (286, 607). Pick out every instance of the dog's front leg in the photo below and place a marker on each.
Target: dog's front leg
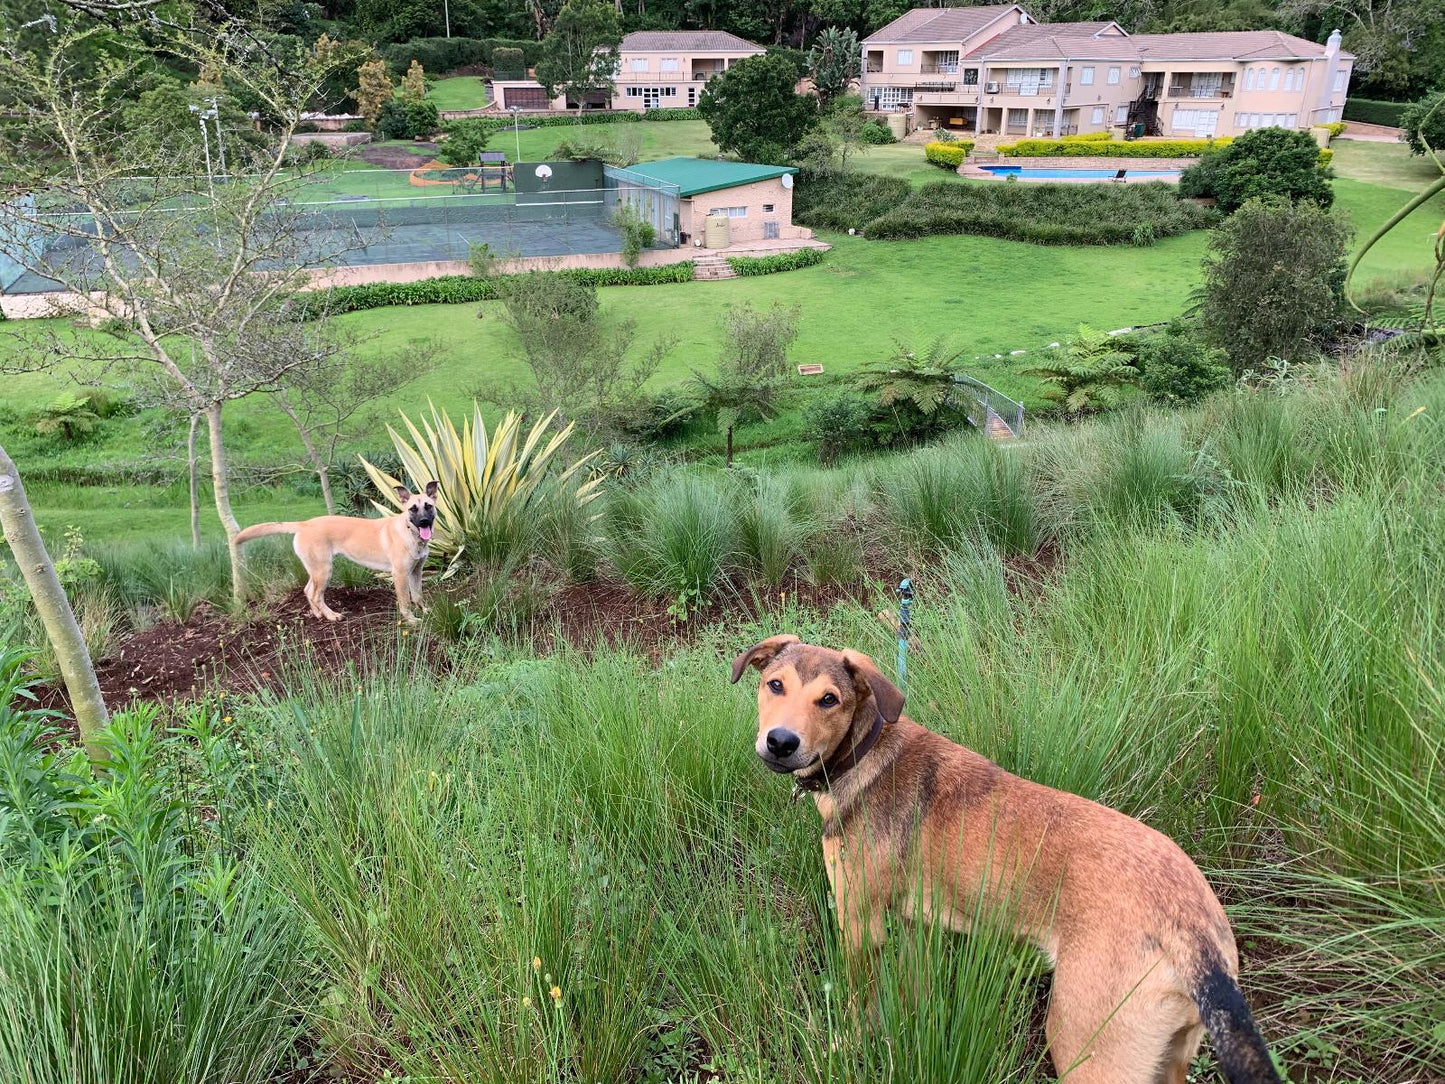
(859, 897)
(414, 584)
(401, 579)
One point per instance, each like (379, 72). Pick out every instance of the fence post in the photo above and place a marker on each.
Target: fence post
(905, 629)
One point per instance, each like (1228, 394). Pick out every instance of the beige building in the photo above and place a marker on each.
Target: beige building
(757, 200)
(657, 69)
(997, 69)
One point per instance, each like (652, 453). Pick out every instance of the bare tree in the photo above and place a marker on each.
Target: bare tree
(195, 249)
(51, 603)
(332, 403)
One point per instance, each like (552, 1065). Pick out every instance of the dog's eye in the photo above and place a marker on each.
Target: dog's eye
(828, 700)
(776, 686)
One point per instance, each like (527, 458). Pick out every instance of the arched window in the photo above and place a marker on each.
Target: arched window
(1274, 79)
(1248, 78)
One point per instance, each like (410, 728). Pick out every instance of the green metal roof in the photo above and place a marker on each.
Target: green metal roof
(694, 176)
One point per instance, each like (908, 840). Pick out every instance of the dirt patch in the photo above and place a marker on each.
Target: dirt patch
(405, 157)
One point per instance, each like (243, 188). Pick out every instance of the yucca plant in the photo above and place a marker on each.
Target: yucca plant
(493, 485)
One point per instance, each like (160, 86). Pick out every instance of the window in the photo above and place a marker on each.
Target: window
(1206, 84)
(1027, 82)
(946, 63)
(1248, 78)
(1274, 79)
(731, 212)
(1286, 120)
(1086, 76)
(767, 208)
(1098, 117)
(1018, 118)
(970, 77)
(893, 97)
(905, 56)
(1341, 77)
(1121, 115)
(667, 64)
(1113, 76)
(1134, 73)
(691, 97)
(1202, 122)
(639, 64)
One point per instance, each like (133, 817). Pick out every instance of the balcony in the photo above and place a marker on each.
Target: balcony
(933, 95)
(1202, 88)
(944, 68)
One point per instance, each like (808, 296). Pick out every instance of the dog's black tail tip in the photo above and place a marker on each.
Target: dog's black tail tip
(1243, 1056)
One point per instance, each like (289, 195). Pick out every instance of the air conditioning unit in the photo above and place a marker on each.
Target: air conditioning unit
(990, 88)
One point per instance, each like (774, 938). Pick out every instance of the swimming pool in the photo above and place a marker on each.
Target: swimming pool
(1028, 173)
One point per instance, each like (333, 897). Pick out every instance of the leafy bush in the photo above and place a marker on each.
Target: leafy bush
(947, 155)
(745, 266)
(1267, 162)
(1423, 124)
(1088, 137)
(1177, 367)
(407, 119)
(1072, 147)
(1274, 282)
(1334, 127)
(876, 134)
(1061, 214)
(1366, 111)
(442, 55)
(838, 423)
(1090, 372)
(637, 233)
(509, 63)
(843, 201)
(461, 289)
(465, 141)
(683, 113)
(494, 486)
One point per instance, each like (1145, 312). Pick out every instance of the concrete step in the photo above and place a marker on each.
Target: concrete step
(711, 268)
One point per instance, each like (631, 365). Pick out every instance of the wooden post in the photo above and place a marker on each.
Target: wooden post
(51, 604)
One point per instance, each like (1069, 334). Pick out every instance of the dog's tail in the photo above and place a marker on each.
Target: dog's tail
(261, 530)
(1243, 1057)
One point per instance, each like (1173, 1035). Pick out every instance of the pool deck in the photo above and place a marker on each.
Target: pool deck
(974, 170)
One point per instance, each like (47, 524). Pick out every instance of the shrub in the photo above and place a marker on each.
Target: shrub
(1088, 137)
(745, 266)
(465, 141)
(509, 63)
(843, 201)
(838, 423)
(1266, 162)
(494, 486)
(637, 233)
(1097, 214)
(1177, 367)
(1090, 372)
(947, 155)
(1423, 124)
(373, 91)
(1367, 111)
(407, 119)
(1274, 282)
(682, 113)
(1071, 147)
(1334, 127)
(876, 134)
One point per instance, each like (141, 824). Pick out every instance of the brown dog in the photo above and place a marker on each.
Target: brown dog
(397, 544)
(1144, 959)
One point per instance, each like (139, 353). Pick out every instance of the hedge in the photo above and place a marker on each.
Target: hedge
(947, 155)
(746, 266)
(1088, 137)
(845, 201)
(682, 113)
(565, 120)
(1367, 111)
(1334, 127)
(461, 289)
(1113, 148)
(441, 55)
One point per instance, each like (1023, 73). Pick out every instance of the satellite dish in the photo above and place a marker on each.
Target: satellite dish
(544, 171)
(787, 180)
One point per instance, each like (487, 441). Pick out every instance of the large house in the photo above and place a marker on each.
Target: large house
(657, 69)
(997, 69)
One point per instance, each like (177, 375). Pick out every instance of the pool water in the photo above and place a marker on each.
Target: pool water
(1026, 173)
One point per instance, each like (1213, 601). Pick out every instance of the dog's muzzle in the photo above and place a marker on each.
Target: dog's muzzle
(423, 528)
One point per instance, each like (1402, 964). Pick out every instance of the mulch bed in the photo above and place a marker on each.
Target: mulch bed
(396, 157)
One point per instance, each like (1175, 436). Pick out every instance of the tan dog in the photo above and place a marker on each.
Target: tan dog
(1144, 959)
(397, 544)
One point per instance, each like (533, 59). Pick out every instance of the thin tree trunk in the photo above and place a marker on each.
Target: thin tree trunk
(51, 604)
(318, 464)
(193, 465)
(223, 500)
(730, 447)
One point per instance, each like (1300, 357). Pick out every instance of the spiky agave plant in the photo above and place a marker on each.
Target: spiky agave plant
(493, 484)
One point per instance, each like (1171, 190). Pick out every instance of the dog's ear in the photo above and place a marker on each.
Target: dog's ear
(760, 654)
(866, 676)
(403, 494)
(431, 489)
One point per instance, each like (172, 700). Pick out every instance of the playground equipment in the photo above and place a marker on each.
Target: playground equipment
(492, 171)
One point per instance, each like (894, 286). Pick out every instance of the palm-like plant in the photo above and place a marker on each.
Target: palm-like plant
(68, 416)
(1089, 373)
(494, 486)
(922, 380)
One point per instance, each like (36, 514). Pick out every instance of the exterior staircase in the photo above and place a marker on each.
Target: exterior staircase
(710, 266)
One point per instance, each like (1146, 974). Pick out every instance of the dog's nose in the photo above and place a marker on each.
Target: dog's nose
(782, 742)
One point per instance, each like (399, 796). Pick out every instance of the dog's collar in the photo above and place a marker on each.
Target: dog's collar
(839, 766)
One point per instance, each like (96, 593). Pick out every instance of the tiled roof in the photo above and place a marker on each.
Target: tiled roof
(1059, 41)
(687, 41)
(938, 24)
(1228, 45)
(694, 176)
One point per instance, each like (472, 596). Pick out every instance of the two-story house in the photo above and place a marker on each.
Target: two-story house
(999, 70)
(657, 69)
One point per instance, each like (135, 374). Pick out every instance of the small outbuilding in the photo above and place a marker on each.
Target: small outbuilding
(757, 200)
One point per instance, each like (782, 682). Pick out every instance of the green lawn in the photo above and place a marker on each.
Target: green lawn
(659, 139)
(458, 92)
(901, 160)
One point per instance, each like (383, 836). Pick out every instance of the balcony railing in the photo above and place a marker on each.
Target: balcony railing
(1188, 90)
(941, 69)
(873, 68)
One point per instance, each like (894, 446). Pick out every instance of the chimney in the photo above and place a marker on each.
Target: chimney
(1332, 45)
